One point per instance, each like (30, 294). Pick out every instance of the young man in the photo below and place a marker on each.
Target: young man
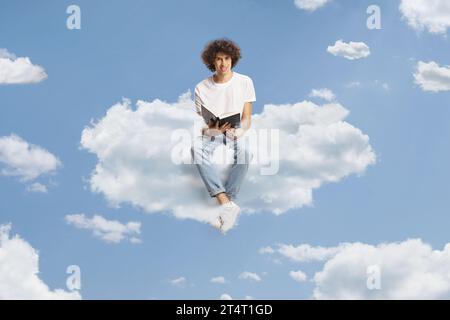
(224, 92)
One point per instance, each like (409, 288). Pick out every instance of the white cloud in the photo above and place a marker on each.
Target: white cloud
(246, 275)
(225, 296)
(376, 84)
(410, 269)
(37, 187)
(268, 250)
(135, 240)
(351, 50)
(5, 54)
(306, 253)
(432, 15)
(298, 276)
(19, 70)
(310, 5)
(325, 94)
(26, 161)
(178, 281)
(431, 77)
(219, 279)
(110, 231)
(19, 269)
(134, 149)
(354, 84)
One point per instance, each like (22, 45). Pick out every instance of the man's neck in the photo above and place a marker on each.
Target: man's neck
(223, 77)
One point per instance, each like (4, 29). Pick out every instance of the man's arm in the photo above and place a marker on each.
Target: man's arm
(246, 120)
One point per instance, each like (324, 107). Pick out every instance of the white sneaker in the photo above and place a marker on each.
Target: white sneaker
(230, 212)
(217, 223)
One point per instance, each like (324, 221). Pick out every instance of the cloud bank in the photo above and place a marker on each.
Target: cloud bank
(350, 51)
(410, 269)
(15, 70)
(310, 5)
(430, 15)
(26, 161)
(19, 269)
(432, 77)
(144, 156)
(110, 231)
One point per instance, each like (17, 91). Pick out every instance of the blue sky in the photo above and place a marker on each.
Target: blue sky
(150, 50)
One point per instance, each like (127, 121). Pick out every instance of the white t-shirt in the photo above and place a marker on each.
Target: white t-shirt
(223, 98)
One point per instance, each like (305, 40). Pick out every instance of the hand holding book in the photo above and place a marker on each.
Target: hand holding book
(214, 129)
(234, 119)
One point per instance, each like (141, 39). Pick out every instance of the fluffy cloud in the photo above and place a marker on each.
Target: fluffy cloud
(19, 269)
(225, 296)
(15, 70)
(266, 250)
(306, 253)
(110, 231)
(410, 269)
(432, 15)
(180, 281)
(37, 187)
(26, 161)
(431, 77)
(325, 94)
(246, 275)
(218, 280)
(351, 50)
(309, 145)
(310, 5)
(353, 84)
(298, 276)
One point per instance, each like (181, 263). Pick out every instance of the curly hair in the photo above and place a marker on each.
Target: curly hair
(223, 45)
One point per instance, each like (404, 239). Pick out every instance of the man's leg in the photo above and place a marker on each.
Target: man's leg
(239, 168)
(223, 198)
(202, 150)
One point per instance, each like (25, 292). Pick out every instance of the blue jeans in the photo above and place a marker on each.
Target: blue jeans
(202, 150)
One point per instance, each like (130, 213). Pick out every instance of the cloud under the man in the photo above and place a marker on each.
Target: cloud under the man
(135, 150)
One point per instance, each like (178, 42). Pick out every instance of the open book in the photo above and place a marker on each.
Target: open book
(233, 118)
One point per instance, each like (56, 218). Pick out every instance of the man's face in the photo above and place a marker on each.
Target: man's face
(222, 62)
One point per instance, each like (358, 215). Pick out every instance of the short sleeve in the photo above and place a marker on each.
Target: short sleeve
(250, 91)
(198, 101)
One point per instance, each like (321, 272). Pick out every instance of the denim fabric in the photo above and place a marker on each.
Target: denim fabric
(203, 148)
